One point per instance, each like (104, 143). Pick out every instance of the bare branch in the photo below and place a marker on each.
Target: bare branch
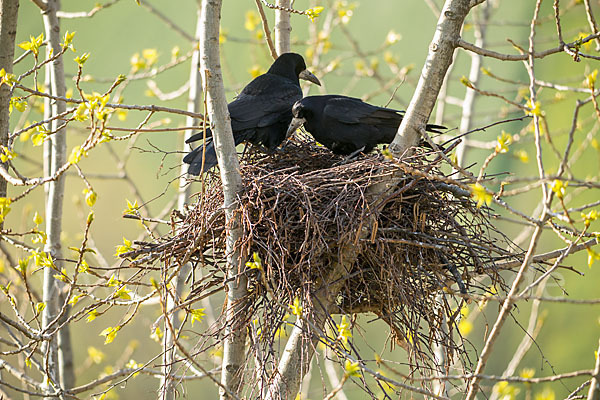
(438, 61)
(521, 57)
(265, 25)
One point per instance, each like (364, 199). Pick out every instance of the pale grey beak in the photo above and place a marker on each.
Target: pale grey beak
(295, 124)
(308, 76)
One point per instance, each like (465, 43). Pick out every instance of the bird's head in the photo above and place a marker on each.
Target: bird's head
(300, 113)
(292, 65)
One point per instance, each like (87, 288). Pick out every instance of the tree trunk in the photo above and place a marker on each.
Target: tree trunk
(60, 367)
(300, 347)
(8, 31)
(234, 354)
(283, 28)
(436, 65)
(480, 22)
(167, 385)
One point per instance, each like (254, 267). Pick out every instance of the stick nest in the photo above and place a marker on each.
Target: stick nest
(412, 233)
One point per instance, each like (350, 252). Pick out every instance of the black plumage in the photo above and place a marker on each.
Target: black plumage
(262, 111)
(347, 125)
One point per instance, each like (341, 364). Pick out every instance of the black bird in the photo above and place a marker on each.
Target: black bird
(347, 125)
(262, 112)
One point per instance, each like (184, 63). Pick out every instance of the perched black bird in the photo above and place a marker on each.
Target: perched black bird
(347, 125)
(262, 112)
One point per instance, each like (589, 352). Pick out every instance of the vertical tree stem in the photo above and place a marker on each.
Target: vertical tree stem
(436, 65)
(234, 355)
(283, 28)
(466, 121)
(54, 208)
(167, 385)
(594, 392)
(8, 31)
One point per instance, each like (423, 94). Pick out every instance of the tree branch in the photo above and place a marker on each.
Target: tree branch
(283, 28)
(8, 32)
(436, 65)
(235, 334)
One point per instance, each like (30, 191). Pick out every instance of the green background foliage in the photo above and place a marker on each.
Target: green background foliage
(570, 333)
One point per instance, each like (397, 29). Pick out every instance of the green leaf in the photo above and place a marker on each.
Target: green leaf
(256, 263)
(124, 248)
(95, 355)
(37, 219)
(7, 78)
(76, 155)
(351, 368)
(75, 299)
(6, 154)
(110, 334)
(33, 45)
(90, 217)
(132, 208)
(92, 314)
(296, 307)
(68, 40)
(82, 58)
(480, 195)
(39, 307)
(23, 263)
(197, 315)
(4, 207)
(122, 293)
(314, 12)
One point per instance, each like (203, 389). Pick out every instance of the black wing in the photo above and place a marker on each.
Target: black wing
(260, 115)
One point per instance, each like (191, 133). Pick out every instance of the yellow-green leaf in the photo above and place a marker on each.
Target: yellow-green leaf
(314, 12)
(296, 307)
(39, 307)
(37, 218)
(197, 315)
(110, 334)
(92, 314)
(122, 293)
(97, 356)
(351, 368)
(82, 58)
(251, 20)
(480, 195)
(90, 197)
(344, 330)
(124, 248)
(256, 262)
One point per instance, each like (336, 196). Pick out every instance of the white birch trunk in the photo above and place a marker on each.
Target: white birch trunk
(466, 121)
(283, 28)
(436, 65)
(55, 370)
(8, 31)
(234, 354)
(167, 385)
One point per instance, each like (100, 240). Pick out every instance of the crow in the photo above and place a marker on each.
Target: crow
(261, 113)
(347, 125)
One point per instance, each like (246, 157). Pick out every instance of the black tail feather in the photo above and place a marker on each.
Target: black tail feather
(199, 136)
(194, 158)
(435, 128)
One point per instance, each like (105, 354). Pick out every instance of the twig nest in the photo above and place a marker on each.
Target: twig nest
(303, 208)
(411, 233)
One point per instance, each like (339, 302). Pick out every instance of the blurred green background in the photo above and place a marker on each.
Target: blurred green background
(570, 333)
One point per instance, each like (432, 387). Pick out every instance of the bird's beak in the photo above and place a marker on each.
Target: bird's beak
(308, 76)
(295, 124)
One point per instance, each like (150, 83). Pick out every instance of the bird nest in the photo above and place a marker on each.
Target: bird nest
(411, 232)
